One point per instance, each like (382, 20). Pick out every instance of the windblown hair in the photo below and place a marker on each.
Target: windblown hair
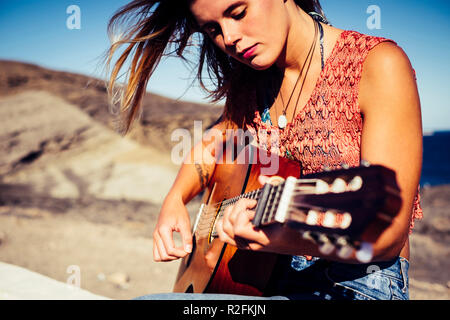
(152, 28)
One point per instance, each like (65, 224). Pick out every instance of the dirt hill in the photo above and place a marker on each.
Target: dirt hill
(160, 115)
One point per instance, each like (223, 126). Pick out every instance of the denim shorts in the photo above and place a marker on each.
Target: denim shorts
(319, 279)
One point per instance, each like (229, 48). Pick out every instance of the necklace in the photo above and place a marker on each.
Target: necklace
(282, 119)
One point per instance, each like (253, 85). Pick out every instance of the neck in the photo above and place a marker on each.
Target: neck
(298, 42)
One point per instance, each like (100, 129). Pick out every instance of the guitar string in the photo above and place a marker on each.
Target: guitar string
(258, 191)
(206, 223)
(292, 208)
(250, 196)
(200, 231)
(206, 217)
(214, 211)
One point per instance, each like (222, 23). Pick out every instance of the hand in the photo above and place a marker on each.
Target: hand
(236, 228)
(173, 217)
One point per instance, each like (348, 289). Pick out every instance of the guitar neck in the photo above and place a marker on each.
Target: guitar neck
(273, 201)
(339, 202)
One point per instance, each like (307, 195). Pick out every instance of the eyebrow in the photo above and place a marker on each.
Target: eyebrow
(227, 12)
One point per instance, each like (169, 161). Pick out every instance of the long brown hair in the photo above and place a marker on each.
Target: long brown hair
(154, 29)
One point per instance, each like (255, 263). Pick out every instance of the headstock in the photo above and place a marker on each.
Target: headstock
(333, 208)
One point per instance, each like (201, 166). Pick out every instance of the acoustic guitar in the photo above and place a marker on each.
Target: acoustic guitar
(331, 208)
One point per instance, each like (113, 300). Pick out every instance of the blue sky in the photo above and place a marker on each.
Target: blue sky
(35, 31)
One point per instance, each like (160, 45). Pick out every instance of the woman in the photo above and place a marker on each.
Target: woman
(329, 96)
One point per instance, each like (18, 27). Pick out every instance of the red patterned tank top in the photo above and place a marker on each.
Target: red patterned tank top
(327, 130)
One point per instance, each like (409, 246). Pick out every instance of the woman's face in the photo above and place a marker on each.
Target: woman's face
(253, 32)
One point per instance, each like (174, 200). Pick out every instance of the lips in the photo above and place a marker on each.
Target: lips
(247, 53)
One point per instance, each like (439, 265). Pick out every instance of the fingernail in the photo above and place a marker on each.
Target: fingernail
(188, 248)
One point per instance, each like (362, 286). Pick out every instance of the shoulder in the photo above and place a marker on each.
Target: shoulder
(375, 52)
(386, 57)
(387, 73)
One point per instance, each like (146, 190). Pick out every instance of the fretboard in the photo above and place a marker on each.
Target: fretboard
(273, 205)
(214, 212)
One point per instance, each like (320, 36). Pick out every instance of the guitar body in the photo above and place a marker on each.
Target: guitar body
(213, 266)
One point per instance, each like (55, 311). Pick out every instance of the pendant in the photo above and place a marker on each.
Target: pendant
(282, 121)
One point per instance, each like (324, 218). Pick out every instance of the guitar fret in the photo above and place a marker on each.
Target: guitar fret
(275, 205)
(205, 223)
(272, 209)
(272, 205)
(266, 214)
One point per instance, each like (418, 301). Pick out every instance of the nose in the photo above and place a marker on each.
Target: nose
(231, 35)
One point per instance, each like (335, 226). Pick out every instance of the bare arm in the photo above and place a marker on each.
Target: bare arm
(392, 132)
(193, 176)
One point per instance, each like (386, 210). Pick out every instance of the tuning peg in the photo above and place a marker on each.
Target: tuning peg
(322, 187)
(312, 218)
(345, 252)
(356, 183)
(344, 248)
(339, 185)
(329, 219)
(326, 168)
(345, 165)
(365, 163)
(326, 246)
(308, 235)
(346, 220)
(365, 252)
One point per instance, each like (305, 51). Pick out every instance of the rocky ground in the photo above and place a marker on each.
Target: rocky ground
(75, 193)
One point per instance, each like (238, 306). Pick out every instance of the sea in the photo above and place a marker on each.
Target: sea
(436, 158)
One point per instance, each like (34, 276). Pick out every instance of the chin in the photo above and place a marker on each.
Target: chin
(260, 64)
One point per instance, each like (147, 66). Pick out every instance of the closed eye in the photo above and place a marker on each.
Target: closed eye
(240, 15)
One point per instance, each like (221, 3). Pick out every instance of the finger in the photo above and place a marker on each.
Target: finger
(226, 222)
(237, 218)
(162, 250)
(228, 211)
(167, 240)
(242, 223)
(244, 204)
(223, 236)
(156, 256)
(226, 226)
(186, 236)
(245, 229)
(159, 250)
(241, 205)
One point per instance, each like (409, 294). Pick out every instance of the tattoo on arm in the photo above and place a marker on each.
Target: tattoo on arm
(203, 175)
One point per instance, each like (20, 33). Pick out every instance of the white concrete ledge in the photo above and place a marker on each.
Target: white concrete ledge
(18, 283)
